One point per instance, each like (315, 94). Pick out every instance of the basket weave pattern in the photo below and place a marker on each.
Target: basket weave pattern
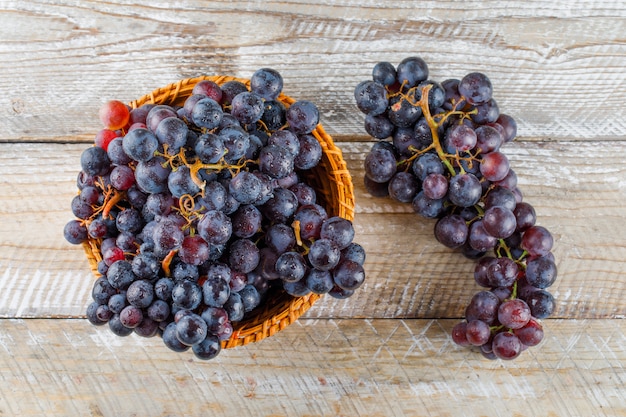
(332, 183)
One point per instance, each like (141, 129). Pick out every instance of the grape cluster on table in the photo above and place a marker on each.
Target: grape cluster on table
(200, 213)
(438, 148)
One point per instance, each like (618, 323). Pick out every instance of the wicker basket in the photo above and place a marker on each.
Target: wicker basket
(332, 183)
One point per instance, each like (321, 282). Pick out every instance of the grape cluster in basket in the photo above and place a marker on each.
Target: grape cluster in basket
(439, 149)
(200, 211)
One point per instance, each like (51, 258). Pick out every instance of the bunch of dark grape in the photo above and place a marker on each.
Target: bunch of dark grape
(200, 213)
(439, 149)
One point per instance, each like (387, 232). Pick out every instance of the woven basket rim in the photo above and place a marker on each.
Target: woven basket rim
(339, 180)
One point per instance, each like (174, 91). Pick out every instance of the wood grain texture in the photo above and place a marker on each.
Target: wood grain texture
(409, 274)
(556, 68)
(377, 368)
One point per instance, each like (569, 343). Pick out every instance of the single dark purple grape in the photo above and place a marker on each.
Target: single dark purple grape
(234, 307)
(172, 134)
(500, 196)
(182, 270)
(411, 71)
(116, 154)
(246, 221)
(340, 293)
(541, 272)
(506, 346)
(147, 328)
(287, 139)
(499, 222)
(304, 193)
(354, 252)
(215, 291)
(459, 138)
(267, 83)
(478, 332)
(158, 311)
(131, 316)
(140, 293)
(207, 113)
(378, 126)
(191, 329)
(480, 271)
(514, 314)
(297, 288)
(464, 190)
(338, 230)
(488, 139)
(502, 272)
(186, 294)
(324, 254)
(117, 302)
(487, 112)
(310, 220)
(476, 88)
(525, 216)
(208, 348)
(384, 73)
(274, 115)
(250, 298)
(537, 240)
(243, 255)
(75, 232)
(371, 97)
(479, 239)
(427, 207)
(247, 107)
(483, 306)
(348, 275)
(267, 264)
(403, 113)
(435, 186)
(291, 266)
(451, 231)
(120, 274)
(140, 144)
(541, 303)
(280, 237)
(508, 124)
(102, 290)
(302, 117)
(429, 163)
(163, 288)
(319, 282)
(117, 328)
(531, 334)
(95, 161)
(281, 207)
(171, 340)
(276, 161)
(407, 142)
(310, 152)
(380, 165)
(215, 227)
(215, 317)
(459, 334)
(151, 176)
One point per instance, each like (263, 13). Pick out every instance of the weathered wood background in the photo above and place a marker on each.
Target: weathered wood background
(558, 67)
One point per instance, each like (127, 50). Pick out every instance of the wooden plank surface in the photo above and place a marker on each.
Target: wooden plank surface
(409, 274)
(557, 67)
(374, 368)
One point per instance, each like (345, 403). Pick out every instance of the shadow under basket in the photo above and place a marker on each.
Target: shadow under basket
(332, 183)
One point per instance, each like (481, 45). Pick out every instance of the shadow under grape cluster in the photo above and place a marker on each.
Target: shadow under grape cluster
(439, 149)
(198, 214)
